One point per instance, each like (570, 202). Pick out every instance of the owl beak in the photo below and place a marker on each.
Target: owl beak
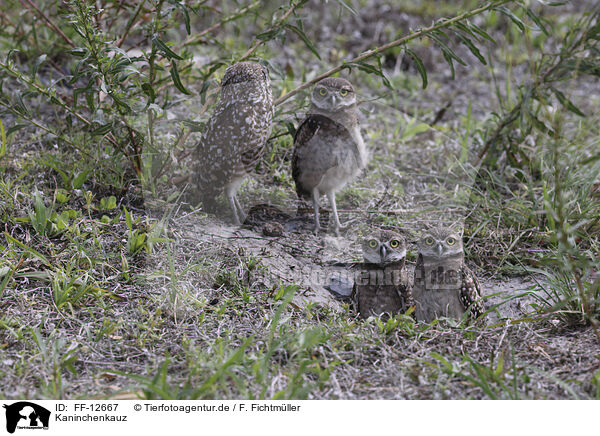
(382, 253)
(439, 249)
(333, 100)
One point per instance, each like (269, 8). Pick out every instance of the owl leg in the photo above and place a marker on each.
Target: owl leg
(240, 209)
(315, 199)
(236, 219)
(233, 204)
(331, 196)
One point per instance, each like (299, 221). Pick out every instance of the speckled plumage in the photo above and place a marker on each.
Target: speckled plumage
(443, 285)
(328, 148)
(382, 285)
(235, 135)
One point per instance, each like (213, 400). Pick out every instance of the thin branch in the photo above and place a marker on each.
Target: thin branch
(258, 43)
(234, 16)
(115, 15)
(383, 48)
(513, 115)
(109, 137)
(167, 163)
(540, 80)
(508, 119)
(130, 23)
(47, 20)
(17, 74)
(33, 42)
(45, 128)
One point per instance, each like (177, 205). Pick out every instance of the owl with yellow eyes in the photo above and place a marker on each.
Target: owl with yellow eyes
(443, 285)
(382, 286)
(329, 151)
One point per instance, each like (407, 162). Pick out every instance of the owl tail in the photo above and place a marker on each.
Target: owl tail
(209, 205)
(208, 198)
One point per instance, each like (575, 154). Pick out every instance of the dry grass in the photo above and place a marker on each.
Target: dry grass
(140, 296)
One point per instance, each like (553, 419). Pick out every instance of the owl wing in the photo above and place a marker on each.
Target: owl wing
(364, 299)
(354, 298)
(254, 147)
(311, 136)
(218, 147)
(305, 131)
(404, 291)
(470, 292)
(419, 274)
(230, 139)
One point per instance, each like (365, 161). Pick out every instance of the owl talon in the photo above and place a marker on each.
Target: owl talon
(240, 218)
(236, 220)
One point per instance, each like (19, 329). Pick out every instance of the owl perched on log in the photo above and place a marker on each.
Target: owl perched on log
(443, 285)
(235, 135)
(382, 286)
(329, 150)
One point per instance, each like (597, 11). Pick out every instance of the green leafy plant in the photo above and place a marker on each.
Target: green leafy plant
(3, 142)
(496, 380)
(69, 287)
(137, 240)
(41, 214)
(57, 357)
(508, 136)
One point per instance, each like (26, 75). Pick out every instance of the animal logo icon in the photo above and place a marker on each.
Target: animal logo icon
(25, 414)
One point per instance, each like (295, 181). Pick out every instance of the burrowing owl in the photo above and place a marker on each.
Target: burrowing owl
(235, 135)
(328, 148)
(382, 286)
(443, 285)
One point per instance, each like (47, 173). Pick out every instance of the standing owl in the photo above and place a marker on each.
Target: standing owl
(329, 150)
(235, 135)
(443, 285)
(382, 284)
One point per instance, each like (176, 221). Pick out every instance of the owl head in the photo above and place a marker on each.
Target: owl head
(441, 242)
(333, 94)
(245, 72)
(384, 247)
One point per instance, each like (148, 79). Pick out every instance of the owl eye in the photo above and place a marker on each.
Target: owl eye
(323, 91)
(394, 243)
(450, 241)
(344, 92)
(429, 240)
(373, 243)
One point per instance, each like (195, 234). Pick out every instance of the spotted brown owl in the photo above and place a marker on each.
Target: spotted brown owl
(382, 285)
(443, 285)
(329, 150)
(235, 135)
